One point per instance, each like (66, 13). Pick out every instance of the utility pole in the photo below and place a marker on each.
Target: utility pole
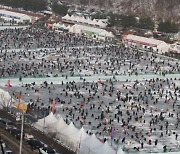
(22, 125)
(23, 108)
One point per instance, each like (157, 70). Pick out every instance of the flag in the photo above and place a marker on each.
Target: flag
(19, 96)
(8, 84)
(53, 106)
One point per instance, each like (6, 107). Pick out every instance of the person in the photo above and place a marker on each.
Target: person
(123, 140)
(165, 148)
(149, 142)
(20, 79)
(176, 136)
(156, 142)
(142, 145)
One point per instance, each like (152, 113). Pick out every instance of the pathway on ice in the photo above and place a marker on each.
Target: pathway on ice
(58, 80)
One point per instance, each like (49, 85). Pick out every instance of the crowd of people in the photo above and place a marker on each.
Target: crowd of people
(64, 54)
(35, 37)
(143, 114)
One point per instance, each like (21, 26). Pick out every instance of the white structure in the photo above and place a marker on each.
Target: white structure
(76, 139)
(58, 26)
(46, 122)
(13, 16)
(5, 98)
(91, 31)
(177, 36)
(83, 20)
(175, 48)
(146, 43)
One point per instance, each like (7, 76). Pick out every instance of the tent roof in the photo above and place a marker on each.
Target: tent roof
(105, 149)
(84, 20)
(92, 142)
(44, 122)
(81, 135)
(69, 130)
(58, 125)
(61, 124)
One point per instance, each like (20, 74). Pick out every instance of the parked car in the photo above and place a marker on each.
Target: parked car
(35, 144)
(16, 133)
(2, 144)
(28, 136)
(6, 124)
(47, 150)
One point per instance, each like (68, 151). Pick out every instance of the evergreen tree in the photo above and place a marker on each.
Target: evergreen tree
(60, 9)
(146, 23)
(168, 27)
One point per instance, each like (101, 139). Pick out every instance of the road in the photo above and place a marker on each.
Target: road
(13, 143)
(39, 136)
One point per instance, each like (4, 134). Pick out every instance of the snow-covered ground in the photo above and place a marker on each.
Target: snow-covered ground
(98, 97)
(96, 86)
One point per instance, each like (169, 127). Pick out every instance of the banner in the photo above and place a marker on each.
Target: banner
(21, 106)
(53, 106)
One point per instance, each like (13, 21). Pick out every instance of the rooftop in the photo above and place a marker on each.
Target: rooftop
(10, 13)
(143, 39)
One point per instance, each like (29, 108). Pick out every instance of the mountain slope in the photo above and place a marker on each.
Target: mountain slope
(161, 9)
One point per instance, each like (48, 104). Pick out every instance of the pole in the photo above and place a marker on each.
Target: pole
(20, 149)
(44, 120)
(10, 104)
(80, 141)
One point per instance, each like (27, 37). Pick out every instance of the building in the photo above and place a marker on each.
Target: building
(146, 43)
(97, 33)
(15, 17)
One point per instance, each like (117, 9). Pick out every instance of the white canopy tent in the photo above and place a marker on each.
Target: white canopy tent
(81, 135)
(68, 131)
(102, 24)
(66, 17)
(105, 149)
(58, 25)
(76, 19)
(45, 122)
(73, 137)
(91, 143)
(58, 125)
(64, 135)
